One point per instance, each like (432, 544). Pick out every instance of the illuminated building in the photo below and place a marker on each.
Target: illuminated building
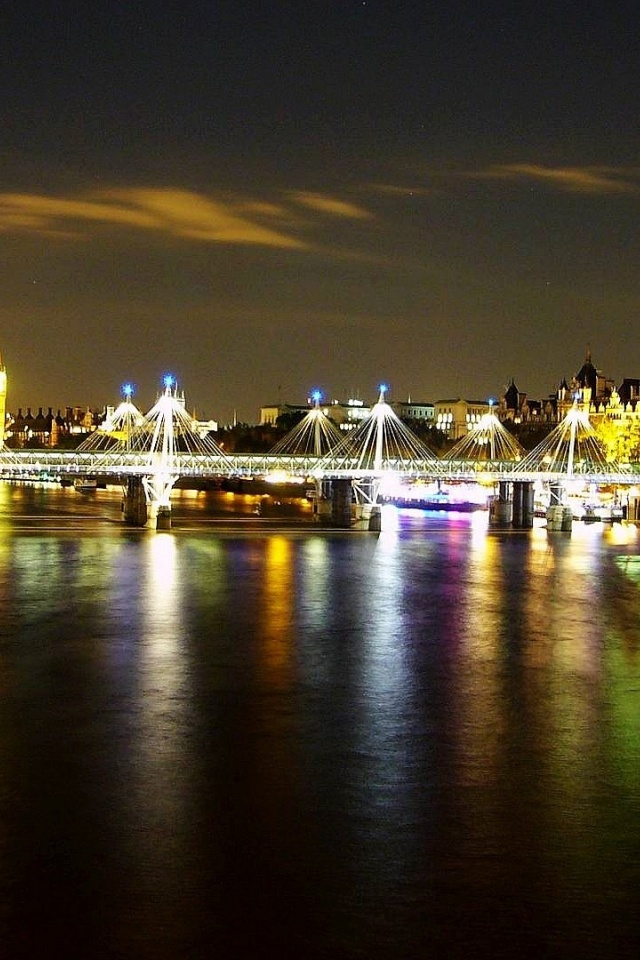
(589, 386)
(345, 414)
(270, 413)
(456, 417)
(414, 410)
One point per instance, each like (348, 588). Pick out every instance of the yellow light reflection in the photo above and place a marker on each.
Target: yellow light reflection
(277, 610)
(479, 522)
(620, 534)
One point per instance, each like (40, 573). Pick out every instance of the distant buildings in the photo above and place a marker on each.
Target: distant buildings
(453, 417)
(47, 429)
(346, 415)
(594, 392)
(413, 410)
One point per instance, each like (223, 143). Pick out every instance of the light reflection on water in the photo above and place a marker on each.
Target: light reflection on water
(423, 743)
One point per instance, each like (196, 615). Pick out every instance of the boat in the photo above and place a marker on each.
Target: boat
(436, 502)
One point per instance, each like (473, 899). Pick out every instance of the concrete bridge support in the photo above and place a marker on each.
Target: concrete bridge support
(501, 507)
(559, 516)
(513, 506)
(341, 500)
(556, 493)
(523, 506)
(135, 503)
(163, 518)
(375, 518)
(633, 510)
(322, 501)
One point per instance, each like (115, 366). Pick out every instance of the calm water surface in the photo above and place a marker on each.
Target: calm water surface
(258, 740)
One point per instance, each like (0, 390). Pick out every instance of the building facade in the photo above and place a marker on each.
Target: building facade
(345, 414)
(49, 429)
(454, 418)
(413, 410)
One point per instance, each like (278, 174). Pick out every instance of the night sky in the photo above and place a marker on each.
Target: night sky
(263, 198)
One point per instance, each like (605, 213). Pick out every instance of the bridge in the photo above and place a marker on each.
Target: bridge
(149, 454)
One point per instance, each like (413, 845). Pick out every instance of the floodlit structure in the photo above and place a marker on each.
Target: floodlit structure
(116, 430)
(166, 431)
(572, 448)
(314, 435)
(570, 468)
(381, 443)
(487, 441)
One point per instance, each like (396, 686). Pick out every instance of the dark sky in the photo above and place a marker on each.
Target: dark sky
(264, 198)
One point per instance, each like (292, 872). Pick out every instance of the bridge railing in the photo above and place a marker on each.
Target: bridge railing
(56, 464)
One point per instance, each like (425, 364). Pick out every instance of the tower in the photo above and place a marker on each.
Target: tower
(3, 399)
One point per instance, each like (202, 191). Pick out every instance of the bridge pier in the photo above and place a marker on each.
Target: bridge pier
(501, 506)
(559, 516)
(633, 509)
(341, 500)
(556, 493)
(513, 506)
(523, 505)
(135, 503)
(322, 501)
(375, 518)
(163, 518)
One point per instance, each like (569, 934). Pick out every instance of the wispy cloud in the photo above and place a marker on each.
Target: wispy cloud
(171, 212)
(178, 213)
(592, 180)
(183, 213)
(331, 206)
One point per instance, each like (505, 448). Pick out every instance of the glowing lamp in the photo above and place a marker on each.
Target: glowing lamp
(127, 390)
(168, 381)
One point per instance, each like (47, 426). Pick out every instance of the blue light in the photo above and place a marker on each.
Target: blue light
(169, 381)
(384, 388)
(316, 396)
(128, 390)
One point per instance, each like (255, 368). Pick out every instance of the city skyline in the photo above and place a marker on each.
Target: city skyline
(130, 391)
(251, 196)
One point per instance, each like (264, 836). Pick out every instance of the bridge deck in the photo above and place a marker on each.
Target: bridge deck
(55, 464)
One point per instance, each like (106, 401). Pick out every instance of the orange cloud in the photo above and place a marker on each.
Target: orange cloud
(51, 210)
(330, 205)
(178, 213)
(187, 214)
(593, 180)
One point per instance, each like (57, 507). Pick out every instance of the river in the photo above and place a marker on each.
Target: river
(249, 738)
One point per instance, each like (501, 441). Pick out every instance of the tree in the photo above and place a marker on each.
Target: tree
(433, 438)
(620, 437)
(287, 421)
